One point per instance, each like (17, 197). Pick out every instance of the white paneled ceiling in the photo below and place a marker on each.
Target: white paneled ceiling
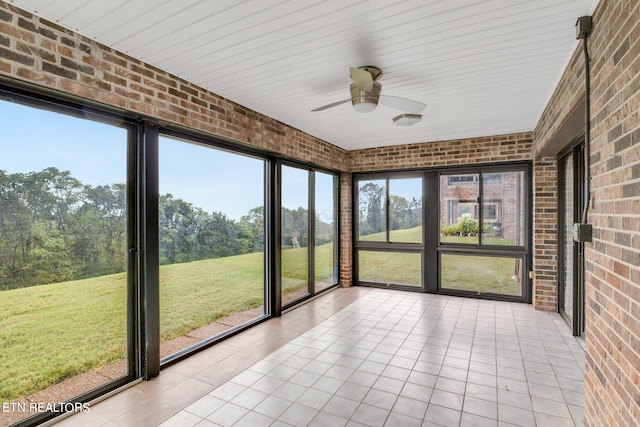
(483, 67)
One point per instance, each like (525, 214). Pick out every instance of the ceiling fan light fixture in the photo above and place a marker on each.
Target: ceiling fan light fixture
(407, 119)
(364, 106)
(365, 101)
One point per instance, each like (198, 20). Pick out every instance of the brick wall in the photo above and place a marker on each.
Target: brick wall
(545, 234)
(345, 218)
(612, 380)
(38, 51)
(499, 148)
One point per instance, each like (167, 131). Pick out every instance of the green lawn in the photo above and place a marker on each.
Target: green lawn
(410, 235)
(481, 274)
(473, 240)
(294, 270)
(194, 294)
(51, 332)
(390, 267)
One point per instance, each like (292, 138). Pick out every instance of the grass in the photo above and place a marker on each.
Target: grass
(479, 274)
(389, 267)
(294, 269)
(482, 274)
(409, 235)
(294, 265)
(51, 332)
(194, 294)
(473, 240)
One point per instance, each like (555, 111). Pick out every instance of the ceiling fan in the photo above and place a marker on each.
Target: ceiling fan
(365, 94)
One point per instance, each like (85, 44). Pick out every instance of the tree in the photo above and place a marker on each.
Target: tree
(252, 229)
(99, 227)
(35, 207)
(415, 212)
(400, 213)
(372, 217)
(54, 228)
(15, 236)
(178, 225)
(50, 259)
(218, 236)
(295, 226)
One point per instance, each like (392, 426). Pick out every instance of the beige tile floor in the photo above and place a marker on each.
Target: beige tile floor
(370, 357)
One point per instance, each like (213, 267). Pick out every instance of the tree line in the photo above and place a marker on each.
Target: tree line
(372, 217)
(54, 228)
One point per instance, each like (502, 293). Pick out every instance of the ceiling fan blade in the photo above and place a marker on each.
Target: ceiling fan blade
(361, 78)
(402, 104)
(333, 104)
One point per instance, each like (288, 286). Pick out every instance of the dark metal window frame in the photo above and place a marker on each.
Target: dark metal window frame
(431, 246)
(388, 245)
(311, 231)
(143, 229)
(492, 170)
(577, 322)
(522, 252)
(523, 256)
(136, 362)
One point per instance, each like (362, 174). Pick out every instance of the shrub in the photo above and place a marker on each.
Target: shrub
(450, 230)
(468, 226)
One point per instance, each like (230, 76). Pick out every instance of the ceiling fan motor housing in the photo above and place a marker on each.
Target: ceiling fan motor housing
(365, 101)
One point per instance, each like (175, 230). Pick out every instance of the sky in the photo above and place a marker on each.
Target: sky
(33, 139)
(95, 153)
(408, 188)
(213, 180)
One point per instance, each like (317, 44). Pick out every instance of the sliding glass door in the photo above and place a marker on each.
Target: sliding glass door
(211, 221)
(126, 246)
(325, 256)
(294, 240)
(66, 287)
(571, 265)
(308, 230)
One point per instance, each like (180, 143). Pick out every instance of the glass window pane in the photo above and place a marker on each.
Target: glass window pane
(325, 201)
(295, 233)
(405, 210)
(63, 254)
(211, 214)
(503, 208)
(482, 274)
(459, 214)
(568, 248)
(372, 220)
(401, 268)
